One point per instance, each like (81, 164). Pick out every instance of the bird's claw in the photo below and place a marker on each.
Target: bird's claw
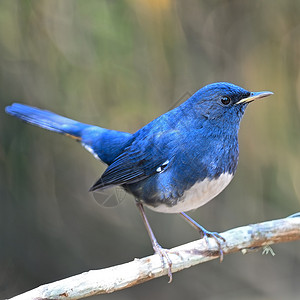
(216, 236)
(163, 254)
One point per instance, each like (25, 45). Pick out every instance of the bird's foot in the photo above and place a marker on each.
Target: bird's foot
(206, 234)
(164, 255)
(216, 236)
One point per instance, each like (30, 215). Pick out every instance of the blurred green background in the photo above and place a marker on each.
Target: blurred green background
(119, 64)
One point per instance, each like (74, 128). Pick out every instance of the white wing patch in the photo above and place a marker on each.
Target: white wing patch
(199, 194)
(161, 168)
(89, 148)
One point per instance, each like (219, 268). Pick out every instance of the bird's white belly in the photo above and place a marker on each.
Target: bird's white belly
(199, 194)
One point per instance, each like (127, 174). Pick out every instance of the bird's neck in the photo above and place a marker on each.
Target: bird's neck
(221, 149)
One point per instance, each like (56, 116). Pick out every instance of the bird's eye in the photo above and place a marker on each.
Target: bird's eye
(225, 100)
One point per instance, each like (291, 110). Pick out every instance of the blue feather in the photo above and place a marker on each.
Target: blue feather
(193, 143)
(103, 143)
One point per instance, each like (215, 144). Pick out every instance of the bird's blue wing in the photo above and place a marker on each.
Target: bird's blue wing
(142, 159)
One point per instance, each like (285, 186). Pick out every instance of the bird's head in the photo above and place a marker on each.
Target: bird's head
(224, 103)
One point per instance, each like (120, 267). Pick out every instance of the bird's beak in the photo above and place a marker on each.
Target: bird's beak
(255, 95)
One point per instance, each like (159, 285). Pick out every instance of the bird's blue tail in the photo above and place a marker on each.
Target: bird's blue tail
(103, 143)
(46, 119)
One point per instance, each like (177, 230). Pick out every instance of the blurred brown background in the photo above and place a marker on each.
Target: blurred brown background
(119, 64)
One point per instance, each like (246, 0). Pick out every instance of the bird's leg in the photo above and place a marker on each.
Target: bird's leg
(163, 253)
(205, 233)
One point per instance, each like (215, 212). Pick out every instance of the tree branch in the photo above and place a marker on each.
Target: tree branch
(94, 282)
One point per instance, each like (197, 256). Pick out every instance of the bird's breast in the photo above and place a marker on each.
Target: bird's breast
(197, 195)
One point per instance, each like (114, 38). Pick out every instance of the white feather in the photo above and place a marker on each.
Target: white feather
(90, 149)
(199, 194)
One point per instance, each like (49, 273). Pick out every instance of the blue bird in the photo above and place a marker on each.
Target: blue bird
(176, 163)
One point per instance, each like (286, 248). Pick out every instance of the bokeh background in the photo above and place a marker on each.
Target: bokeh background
(120, 64)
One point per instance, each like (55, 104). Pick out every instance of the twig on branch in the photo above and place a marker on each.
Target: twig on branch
(129, 274)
